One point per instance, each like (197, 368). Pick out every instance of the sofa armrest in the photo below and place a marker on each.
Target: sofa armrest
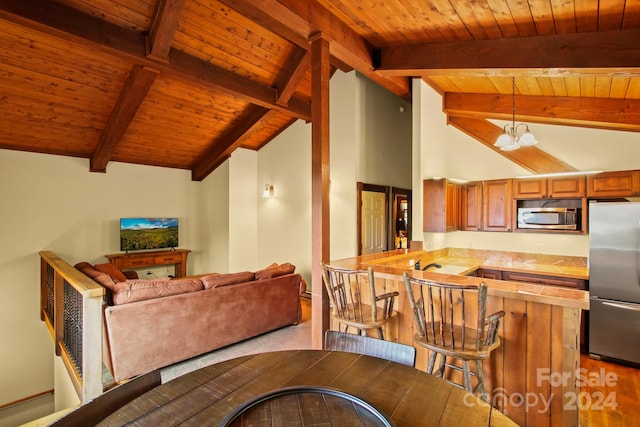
(303, 286)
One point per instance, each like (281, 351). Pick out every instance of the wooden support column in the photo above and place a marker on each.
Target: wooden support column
(320, 74)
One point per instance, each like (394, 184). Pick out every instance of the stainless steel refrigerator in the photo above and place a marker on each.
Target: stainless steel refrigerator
(614, 280)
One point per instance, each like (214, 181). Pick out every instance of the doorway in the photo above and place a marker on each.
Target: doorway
(400, 230)
(384, 214)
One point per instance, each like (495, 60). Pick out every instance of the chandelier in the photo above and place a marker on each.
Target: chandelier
(515, 135)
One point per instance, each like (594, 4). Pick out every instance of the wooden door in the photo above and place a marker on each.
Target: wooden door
(568, 186)
(497, 203)
(452, 202)
(440, 200)
(471, 206)
(373, 222)
(530, 188)
(614, 184)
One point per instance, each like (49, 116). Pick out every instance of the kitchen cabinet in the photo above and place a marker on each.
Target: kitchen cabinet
(440, 205)
(497, 205)
(471, 206)
(541, 279)
(543, 188)
(567, 186)
(489, 274)
(568, 282)
(614, 184)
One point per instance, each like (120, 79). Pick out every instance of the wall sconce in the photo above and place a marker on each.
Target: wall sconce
(268, 190)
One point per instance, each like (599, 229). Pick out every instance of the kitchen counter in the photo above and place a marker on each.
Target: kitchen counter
(540, 331)
(457, 264)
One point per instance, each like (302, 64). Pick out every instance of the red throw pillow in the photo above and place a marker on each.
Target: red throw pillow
(216, 280)
(278, 270)
(102, 278)
(117, 275)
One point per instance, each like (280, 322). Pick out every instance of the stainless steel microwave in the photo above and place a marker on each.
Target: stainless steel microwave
(548, 218)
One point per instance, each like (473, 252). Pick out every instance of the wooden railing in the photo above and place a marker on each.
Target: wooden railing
(71, 308)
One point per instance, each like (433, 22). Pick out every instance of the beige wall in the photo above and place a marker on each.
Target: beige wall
(55, 203)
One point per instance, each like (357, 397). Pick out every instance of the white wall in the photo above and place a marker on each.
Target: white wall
(243, 203)
(446, 152)
(383, 126)
(370, 143)
(344, 146)
(588, 149)
(284, 220)
(213, 224)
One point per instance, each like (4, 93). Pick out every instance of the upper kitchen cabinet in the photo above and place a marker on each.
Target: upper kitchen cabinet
(497, 203)
(614, 184)
(440, 200)
(549, 188)
(471, 206)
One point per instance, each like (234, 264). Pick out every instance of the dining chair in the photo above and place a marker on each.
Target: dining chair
(389, 350)
(96, 410)
(451, 322)
(354, 302)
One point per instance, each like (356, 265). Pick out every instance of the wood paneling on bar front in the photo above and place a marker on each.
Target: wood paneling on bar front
(532, 376)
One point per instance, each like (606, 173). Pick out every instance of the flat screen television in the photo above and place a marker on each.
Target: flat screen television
(148, 233)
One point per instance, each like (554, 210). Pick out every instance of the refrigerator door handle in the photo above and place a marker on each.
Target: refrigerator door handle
(622, 306)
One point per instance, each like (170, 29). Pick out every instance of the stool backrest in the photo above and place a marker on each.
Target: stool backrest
(452, 316)
(352, 293)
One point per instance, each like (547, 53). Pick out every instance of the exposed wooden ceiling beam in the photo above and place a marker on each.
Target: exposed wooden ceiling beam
(296, 21)
(67, 23)
(602, 113)
(163, 27)
(254, 119)
(275, 17)
(131, 96)
(298, 64)
(563, 54)
(530, 158)
(251, 121)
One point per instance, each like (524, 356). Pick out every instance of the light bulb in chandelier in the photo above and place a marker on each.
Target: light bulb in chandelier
(515, 135)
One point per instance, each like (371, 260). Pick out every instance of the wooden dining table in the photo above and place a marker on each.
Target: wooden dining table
(289, 388)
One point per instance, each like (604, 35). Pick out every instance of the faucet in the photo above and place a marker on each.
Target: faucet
(433, 264)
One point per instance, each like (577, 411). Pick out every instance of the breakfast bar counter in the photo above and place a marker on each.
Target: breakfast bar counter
(534, 375)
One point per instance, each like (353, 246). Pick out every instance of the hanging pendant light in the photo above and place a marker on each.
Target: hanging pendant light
(515, 135)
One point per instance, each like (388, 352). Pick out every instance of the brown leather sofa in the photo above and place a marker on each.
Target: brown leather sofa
(150, 324)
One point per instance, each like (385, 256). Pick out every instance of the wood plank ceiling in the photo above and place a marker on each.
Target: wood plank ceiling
(183, 83)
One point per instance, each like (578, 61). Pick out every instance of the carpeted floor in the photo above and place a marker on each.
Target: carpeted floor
(287, 338)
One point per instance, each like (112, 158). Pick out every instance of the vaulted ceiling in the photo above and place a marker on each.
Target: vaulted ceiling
(183, 83)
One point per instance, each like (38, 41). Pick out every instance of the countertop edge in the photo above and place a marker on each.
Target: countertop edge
(546, 294)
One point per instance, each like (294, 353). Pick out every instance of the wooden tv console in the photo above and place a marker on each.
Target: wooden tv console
(178, 257)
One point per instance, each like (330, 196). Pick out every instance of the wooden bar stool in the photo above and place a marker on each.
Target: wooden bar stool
(352, 294)
(451, 321)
